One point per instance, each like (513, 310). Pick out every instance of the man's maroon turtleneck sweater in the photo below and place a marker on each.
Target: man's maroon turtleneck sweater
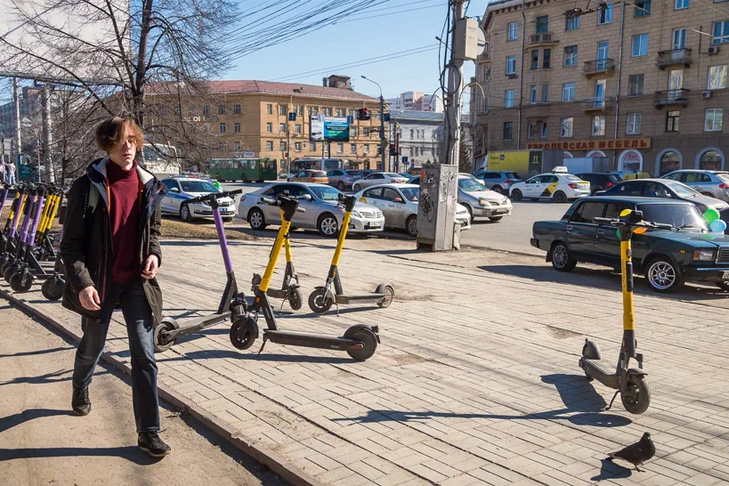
(124, 216)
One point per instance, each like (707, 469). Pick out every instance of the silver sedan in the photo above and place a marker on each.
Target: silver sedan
(480, 201)
(379, 178)
(321, 209)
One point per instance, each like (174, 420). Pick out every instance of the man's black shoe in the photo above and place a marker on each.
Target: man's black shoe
(80, 401)
(150, 443)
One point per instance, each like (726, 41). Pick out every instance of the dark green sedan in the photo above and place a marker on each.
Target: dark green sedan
(667, 258)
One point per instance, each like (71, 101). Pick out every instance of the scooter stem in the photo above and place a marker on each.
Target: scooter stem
(342, 237)
(273, 257)
(626, 263)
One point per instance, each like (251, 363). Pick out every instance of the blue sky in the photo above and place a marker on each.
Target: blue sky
(350, 41)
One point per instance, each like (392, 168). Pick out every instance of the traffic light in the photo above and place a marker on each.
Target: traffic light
(363, 114)
(393, 149)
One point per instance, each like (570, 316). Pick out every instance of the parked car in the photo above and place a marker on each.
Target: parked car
(343, 179)
(379, 178)
(322, 210)
(712, 183)
(558, 187)
(600, 181)
(399, 203)
(308, 175)
(497, 180)
(183, 187)
(671, 189)
(478, 200)
(667, 258)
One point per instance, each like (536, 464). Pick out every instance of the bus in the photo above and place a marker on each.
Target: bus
(244, 170)
(314, 164)
(161, 159)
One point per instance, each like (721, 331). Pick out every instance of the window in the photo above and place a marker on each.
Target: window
(642, 8)
(717, 77)
(546, 58)
(672, 121)
(721, 32)
(269, 127)
(512, 31)
(680, 4)
(353, 132)
(605, 13)
(269, 145)
(236, 127)
(367, 148)
(633, 125)
(635, 84)
(236, 109)
(710, 160)
(570, 56)
(598, 126)
(511, 65)
(509, 98)
(534, 59)
(352, 148)
(679, 39)
(508, 130)
(568, 92)
(297, 146)
(236, 147)
(312, 146)
(640, 45)
(545, 93)
(281, 109)
(223, 147)
(412, 134)
(221, 109)
(366, 132)
(565, 130)
(543, 130)
(282, 128)
(573, 22)
(670, 161)
(714, 119)
(532, 95)
(206, 110)
(223, 128)
(340, 148)
(297, 129)
(269, 109)
(587, 212)
(543, 24)
(282, 146)
(530, 131)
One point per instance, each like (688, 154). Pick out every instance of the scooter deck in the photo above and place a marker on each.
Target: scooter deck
(596, 369)
(309, 340)
(197, 323)
(352, 298)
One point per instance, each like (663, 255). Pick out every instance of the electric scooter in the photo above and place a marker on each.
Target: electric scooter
(16, 247)
(17, 208)
(322, 298)
(359, 341)
(232, 304)
(21, 278)
(629, 382)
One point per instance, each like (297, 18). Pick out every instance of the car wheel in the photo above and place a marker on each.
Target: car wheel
(328, 225)
(496, 219)
(498, 189)
(355, 188)
(562, 258)
(411, 225)
(559, 197)
(340, 186)
(516, 195)
(185, 213)
(256, 219)
(663, 276)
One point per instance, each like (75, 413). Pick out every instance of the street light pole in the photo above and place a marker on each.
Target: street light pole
(383, 140)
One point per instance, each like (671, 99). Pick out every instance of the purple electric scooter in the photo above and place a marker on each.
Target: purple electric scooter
(232, 304)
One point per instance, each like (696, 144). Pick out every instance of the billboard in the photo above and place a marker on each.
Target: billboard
(329, 129)
(51, 40)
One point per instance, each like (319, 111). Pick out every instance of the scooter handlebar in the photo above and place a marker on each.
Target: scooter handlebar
(277, 202)
(215, 195)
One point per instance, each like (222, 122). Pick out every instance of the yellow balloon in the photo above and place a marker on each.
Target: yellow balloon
(625, 213)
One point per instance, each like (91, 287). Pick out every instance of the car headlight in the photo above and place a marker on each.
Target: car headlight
(704, 255)
(484, 202)
(356, 214)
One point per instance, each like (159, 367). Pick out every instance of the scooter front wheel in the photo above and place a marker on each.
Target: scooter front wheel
(21, 281)
(294, 297)
(52, 289)
(243, 333)
(161, 342)
(319, 300)
(369, 344)
(389, 293)
(637, 399)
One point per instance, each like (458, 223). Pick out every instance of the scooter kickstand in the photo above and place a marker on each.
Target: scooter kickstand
(337, 305)
(611, 401)
(265, 338)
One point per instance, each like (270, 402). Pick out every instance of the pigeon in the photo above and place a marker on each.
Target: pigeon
(637, 453)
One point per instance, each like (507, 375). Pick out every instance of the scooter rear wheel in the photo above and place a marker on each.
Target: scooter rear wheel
(294, 297)
(638, 398)
(369, 344)
(319, 301)
(21, 281)
(389, 292)
(8, 272)
(161, 343)
(52, 289)
(243, 333)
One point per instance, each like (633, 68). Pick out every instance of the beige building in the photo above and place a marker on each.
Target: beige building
(252, 119)
(643, 83)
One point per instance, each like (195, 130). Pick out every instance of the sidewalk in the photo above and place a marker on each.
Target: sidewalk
(475, 382)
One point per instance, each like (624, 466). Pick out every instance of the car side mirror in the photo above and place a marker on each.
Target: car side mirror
(306, 197)
(175, 189)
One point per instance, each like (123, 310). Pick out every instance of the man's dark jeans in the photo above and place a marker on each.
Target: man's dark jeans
(140, 329)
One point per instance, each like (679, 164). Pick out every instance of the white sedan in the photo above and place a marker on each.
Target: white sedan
(399, 204)
(182, 188)
(557, 187)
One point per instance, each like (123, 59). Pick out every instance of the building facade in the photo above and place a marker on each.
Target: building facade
(642, 83)
(417, 136)
(418, 101)
(255, 119)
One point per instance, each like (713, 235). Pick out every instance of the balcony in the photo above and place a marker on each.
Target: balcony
(672, 97)
(674, 57)
(599, 66)
(543, 39)
(602, 105)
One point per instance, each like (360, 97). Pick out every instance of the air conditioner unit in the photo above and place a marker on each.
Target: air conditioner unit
(713, 50)
(706, 94)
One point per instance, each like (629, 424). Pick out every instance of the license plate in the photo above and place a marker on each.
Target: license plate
(373, 225)
(585, 186)
(725, 275)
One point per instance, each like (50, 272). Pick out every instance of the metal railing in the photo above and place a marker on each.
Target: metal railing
(597, 104)
(543, 38)
(671, 97)
(674, 56)
(599, 65)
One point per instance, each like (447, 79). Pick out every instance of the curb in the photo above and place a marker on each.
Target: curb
(285, 469)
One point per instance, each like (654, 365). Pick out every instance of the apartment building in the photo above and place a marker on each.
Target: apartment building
(418, 101)
(643, 83)
(268, 119)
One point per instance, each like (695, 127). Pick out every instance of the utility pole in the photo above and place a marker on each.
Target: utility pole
(383, 138)
(455, 80)
(18, 139)
(49, 175)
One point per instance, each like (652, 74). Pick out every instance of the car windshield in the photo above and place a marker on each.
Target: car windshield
(681, 189)
(392, 174)
(723, 176)
(677, 215)
(512, 175)
(470, 185)
(353, 172)
(197, 186)
(325, 193)
(411, 193)
(316, 173)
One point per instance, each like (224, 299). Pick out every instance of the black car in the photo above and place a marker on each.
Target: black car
(667, 258)
(600, 181)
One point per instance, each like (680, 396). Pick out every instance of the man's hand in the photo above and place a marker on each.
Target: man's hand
(89, 299)
(151, 265)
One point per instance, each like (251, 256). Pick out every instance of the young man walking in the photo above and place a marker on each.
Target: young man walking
(111, 251)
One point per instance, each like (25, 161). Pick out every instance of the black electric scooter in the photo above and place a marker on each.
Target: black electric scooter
(322, 298)
(232, 304)
(629, 382)
(359, 341)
